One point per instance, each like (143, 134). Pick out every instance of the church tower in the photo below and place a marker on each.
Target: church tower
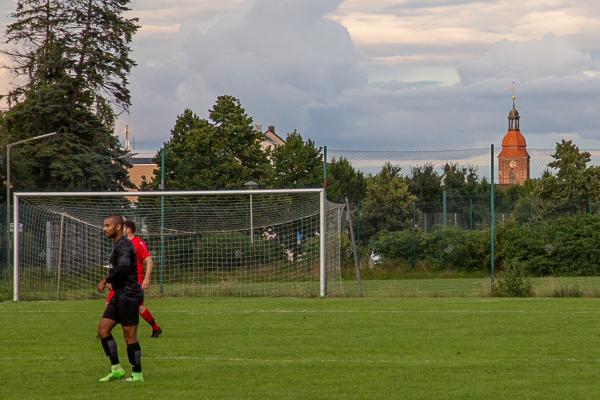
(513, 160)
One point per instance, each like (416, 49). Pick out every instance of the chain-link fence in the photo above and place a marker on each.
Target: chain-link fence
(428, 215)
(423, 220)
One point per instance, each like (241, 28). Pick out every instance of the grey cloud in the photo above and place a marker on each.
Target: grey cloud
(460, 116)
(550, 57)
(276, 56)
(300, 70)
(293, 67)
(283, 43)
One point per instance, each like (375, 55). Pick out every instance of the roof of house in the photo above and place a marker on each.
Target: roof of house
(274, 138)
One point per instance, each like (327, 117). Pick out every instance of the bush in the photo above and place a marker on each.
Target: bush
(564, 246)
(445, 248)
(513, 281)
(456, 247)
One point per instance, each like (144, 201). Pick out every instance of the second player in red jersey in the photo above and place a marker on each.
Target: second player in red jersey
(144, 271)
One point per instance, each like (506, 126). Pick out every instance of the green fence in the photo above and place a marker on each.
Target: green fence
(423, 222)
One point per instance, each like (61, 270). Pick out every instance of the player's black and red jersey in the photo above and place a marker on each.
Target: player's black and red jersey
(122, 274)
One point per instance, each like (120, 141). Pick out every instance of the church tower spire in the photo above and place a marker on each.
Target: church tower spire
(513, 160)
(513, 117)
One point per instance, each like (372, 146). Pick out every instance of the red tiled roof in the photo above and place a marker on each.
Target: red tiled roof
(514, 139)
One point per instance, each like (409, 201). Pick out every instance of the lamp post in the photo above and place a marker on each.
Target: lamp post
(251, 185)
(8, 186)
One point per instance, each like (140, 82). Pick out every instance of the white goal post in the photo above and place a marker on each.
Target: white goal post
(280, 242)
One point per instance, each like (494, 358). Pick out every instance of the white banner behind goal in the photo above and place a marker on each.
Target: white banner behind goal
(203, 243)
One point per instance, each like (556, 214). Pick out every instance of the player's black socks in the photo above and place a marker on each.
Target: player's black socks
(110, 349)
(134, 352)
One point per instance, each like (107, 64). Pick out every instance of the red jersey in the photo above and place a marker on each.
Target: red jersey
(141, 252)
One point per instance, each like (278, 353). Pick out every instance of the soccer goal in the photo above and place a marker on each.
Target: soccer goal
(203, 243)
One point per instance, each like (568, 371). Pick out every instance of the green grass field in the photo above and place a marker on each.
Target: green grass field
(408, 286)
(264, 348)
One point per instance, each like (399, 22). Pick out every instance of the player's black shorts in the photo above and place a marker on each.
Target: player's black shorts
(124, 308)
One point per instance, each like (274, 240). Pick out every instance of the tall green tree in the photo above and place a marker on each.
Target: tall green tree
(70, 60)
(344, 180)
(30, 37)
(426, 184)
(83, 156)
(222, 152)
(460, 181)
(388, 202)
(94, 37)
(572, 185)
(297, 163)
(99, 48)
(240, 155)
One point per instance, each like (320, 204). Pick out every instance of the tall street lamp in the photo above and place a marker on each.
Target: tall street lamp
(8, 186)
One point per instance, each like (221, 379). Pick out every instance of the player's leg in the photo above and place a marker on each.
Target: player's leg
(109, 345)
(111, 294)
(149, 318)
(134, 353)
(129, 321)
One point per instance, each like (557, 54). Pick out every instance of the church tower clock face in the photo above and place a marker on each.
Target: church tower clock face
(512, 164)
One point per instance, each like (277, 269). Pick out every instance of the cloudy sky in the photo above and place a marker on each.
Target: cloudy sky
(371, 74)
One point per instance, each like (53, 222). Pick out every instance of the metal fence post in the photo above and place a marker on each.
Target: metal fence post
(492, 221)
(162, 221)
(530, 217)
(325, 181)
(471, 214)
(444, 208)
(414, 236)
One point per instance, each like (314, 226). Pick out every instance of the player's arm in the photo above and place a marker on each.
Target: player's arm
(101, 285)
(148, 265)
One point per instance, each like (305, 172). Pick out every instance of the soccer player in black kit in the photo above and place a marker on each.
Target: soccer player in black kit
(124, 306)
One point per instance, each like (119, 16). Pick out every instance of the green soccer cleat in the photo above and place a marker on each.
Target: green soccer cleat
(135, 377)
(116, 372)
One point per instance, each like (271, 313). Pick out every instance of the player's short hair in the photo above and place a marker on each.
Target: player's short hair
(130, 224)
(116, 219)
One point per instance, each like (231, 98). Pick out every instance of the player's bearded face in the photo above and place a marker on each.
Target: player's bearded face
(110, 228)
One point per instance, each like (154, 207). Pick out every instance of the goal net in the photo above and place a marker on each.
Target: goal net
(218, 243)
